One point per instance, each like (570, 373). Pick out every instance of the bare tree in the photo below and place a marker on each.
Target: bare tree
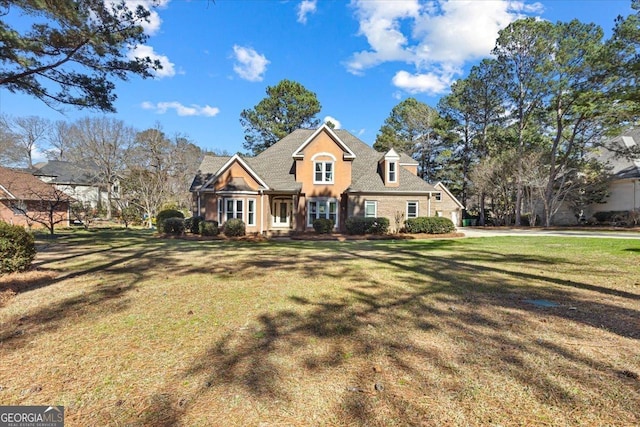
(46, 207)
(103, 141)
(27, 133)
(60, 141)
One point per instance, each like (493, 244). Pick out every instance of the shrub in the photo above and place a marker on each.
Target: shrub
(193, 224)
(360, 225)
(173, 226)
(323, 225)
(430, 225)
(208, 228)
(234, 228)
(613, 217)
(17, 248)
(163, 215)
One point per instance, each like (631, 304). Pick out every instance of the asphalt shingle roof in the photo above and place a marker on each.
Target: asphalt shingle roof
(623, 166)
(275, 166)
(18, 185)
(69, 173)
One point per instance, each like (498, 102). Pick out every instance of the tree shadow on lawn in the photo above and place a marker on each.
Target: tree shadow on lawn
(480, 308)
(109, 295)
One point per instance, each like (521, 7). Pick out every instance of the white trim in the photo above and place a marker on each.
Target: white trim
(8, 192)
(348, 155)
(327, 202)
(226, 166)
(251, 224)
(275, 216)
(395, 172)
(233, 193)
(324, 171)
(417, 209)
(441, 185)
(375, 208)
(324, 153)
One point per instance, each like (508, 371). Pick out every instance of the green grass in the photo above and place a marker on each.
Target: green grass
(124, 328)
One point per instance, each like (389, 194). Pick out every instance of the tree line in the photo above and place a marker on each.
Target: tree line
(519, 131)
(151, 169)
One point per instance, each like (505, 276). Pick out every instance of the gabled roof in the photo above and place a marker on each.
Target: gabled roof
(623, 164)
(276, 165)
(84, 173)
(17, 185)
(234, 159)
(443, 188)
(348, 154)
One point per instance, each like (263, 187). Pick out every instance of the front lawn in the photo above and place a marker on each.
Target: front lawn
(124, 328)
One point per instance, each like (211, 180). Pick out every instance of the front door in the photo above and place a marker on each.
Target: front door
(281, 213)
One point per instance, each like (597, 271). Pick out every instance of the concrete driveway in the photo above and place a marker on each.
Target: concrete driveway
(505, 231)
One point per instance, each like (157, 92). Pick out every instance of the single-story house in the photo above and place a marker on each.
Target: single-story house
(27, 201)
(317, 173)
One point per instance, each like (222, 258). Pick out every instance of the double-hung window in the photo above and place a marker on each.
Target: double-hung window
(393, 171)
(437, 197)
(323, 172)
(412, 209)
(370, 209)
(251, 212)
(322, 208)
(232, 208)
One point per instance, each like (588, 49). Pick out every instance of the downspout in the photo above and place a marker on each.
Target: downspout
(199, 206)
(429, 205)
(261, 192)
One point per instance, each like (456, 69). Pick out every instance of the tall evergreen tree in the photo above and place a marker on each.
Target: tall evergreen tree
(287, 107)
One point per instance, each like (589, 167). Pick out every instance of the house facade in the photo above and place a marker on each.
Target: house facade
(81, 181)
(27, 201)
(310, 174)
(624, 188)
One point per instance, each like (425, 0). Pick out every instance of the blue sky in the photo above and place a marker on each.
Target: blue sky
(360, 57)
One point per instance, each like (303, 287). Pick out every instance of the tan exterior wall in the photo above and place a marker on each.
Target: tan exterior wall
(236, 171)
(305, 172)
(388, 206)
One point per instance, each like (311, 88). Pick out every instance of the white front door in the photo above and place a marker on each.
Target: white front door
(454, 218)
(281, 213)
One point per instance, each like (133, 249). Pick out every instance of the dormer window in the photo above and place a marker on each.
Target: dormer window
(392, 172)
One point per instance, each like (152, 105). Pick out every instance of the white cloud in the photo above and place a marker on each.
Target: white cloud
(142, 51)
(436, 37)
(305, 8)
(431, 83)
(333, 120)
(153, 26)
(250, 65)
(180, 109)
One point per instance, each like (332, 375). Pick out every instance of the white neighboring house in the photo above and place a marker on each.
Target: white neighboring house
(624, 190)
(82, 181)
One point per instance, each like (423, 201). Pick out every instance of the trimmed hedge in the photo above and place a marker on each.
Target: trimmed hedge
(165, 214)
(17, 248)
(234, 228)
(208, 228)
(173, 226)
(361, 225)
(323, 225)
(429, 225)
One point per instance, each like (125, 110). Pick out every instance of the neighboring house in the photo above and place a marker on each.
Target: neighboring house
(25, 200)
(81, 181)
(311, 174)
(624, 190)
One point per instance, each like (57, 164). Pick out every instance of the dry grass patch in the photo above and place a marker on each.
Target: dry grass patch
(135, 330)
